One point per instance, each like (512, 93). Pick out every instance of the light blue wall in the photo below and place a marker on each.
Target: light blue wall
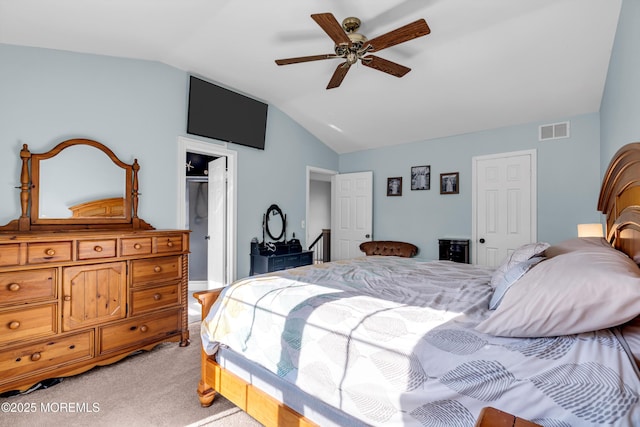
(568, 182)
(138, 109)
(620, 108)
(277, 175)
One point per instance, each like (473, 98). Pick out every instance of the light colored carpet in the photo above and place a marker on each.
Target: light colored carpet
(156, 388)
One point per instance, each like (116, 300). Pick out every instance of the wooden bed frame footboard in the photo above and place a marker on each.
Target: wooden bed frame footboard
(216, 379)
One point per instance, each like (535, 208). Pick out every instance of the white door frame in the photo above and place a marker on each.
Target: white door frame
(312, 170)
(534, 193)
(212, 149)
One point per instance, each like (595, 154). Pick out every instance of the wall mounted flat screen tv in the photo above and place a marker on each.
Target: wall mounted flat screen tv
(219, 113)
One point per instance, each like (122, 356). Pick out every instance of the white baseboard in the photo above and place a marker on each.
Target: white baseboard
(198, 285)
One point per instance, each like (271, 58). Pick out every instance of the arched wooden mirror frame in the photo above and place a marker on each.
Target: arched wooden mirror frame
(30, 218)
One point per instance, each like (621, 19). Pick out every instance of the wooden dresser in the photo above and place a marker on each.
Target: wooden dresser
(73, 300)
(86, 290)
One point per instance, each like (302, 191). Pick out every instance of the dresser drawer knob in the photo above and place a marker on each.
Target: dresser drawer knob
(35, 357)
(14, 287)
(144, 328)
(98, 248)
(157, 297)
(50, 252)
(137, 246)
(67, 298)
(14, 325)
(169, 243)
(157, 269)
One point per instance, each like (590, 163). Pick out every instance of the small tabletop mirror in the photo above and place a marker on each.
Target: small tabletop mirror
(274, 222)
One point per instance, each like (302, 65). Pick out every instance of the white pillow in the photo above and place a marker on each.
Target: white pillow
(521, 254)
(571, 293)
(510, 277)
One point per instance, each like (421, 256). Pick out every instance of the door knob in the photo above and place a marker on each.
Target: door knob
(481, 240)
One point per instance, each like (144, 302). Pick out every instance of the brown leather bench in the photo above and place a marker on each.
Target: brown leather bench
(389, 247)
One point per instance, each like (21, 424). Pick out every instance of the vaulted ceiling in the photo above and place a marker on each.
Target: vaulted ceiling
(486, 64)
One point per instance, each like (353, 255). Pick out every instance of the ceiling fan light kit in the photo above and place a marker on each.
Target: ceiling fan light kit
(353, 46)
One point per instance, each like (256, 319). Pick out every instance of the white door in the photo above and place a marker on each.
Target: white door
(504, 205)
(351, 213)
(216, 259)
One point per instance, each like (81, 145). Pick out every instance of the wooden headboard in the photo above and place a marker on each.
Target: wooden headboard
(620, 200)
(104, 208)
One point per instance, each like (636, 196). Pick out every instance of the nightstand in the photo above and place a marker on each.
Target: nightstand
(454, 250)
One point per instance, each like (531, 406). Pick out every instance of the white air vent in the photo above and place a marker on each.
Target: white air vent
(554, 131)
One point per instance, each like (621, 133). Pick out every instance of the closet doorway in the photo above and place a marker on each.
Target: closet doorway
(197, 206)
(207, 207)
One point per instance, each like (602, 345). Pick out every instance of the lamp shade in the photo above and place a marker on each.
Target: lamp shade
(590, 230)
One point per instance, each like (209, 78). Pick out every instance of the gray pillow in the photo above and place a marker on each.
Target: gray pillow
(575, 292)
(510, 277)
(521, 254)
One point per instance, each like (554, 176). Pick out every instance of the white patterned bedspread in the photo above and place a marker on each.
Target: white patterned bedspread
(391, 341)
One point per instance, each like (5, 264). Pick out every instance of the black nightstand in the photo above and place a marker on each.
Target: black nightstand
(454, 250)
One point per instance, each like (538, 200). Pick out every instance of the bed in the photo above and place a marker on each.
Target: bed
(551, 335)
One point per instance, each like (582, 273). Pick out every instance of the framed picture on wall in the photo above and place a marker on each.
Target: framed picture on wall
(394, 186)
(449, 183)
(420, 177)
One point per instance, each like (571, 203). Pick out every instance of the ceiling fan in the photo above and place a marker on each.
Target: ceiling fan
(353, 46)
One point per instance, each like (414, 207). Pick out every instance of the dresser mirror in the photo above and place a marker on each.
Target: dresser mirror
(101, 179)
(80, 183)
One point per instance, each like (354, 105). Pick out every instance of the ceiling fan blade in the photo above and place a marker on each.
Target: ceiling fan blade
(385, 65)
(338, 75)
(408, 32)
(299, 59)
(331, 26)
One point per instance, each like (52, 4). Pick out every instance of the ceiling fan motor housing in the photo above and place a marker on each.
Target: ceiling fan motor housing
(351, 24)
(357, 43)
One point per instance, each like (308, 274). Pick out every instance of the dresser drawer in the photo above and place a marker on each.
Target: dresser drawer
(137, 246)
(143, 300)
(156, 269)
(92, 249)
(9, 254)
(48, 252)
(306, 258)
(34, 357)
(138, 331)
(27, 286)
(169, 244)
(277, 264)
(29, 322)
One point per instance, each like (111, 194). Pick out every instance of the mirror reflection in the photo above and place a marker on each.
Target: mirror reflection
(77, 175)
(274, 222)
